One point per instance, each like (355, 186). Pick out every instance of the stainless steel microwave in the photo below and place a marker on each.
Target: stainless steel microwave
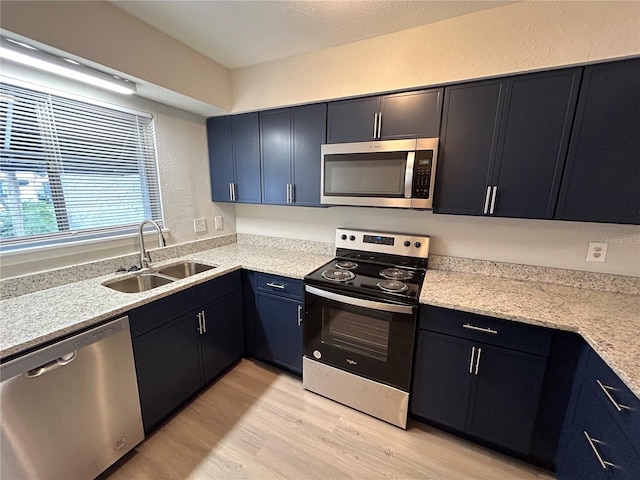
(389, 173)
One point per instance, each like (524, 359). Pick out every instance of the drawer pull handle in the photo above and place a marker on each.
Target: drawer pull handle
(592, 442)
(605, 389)
(275, 285)
(480, 329)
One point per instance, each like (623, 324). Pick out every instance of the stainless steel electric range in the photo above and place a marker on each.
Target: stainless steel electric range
(361, 312)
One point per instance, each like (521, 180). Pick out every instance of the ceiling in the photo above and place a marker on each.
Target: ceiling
(246, 32)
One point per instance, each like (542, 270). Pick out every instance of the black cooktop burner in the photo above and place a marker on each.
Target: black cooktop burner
(338, 275)
(346, 265)
(396, 274)
(392, 286)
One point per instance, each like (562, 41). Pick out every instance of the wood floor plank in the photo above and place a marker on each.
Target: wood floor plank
(259, 423)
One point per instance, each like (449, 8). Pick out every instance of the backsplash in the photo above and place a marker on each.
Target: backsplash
(571, 278)
(16, 286)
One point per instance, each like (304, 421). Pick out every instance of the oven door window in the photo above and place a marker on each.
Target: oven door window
(366, 335)
(365, 175)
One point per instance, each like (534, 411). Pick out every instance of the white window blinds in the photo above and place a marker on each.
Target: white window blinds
(71, 169)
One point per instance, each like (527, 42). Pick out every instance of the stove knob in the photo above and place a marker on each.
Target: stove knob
(417, 244)
(343, 236)
(407, 243)
(352, 238)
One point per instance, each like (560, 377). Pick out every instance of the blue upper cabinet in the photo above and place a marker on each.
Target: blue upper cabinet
(234, 158)
(401, 115)
(504, 143)
(602, 175)
(290, 148)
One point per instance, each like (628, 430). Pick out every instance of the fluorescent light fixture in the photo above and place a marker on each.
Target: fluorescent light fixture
(26, 55)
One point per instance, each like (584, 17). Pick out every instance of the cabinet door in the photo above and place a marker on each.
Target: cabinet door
(309, 133)
(600, 182)
(468, 144)
(222, 340)
(352, 120)
(220, 142)
(168, 368)
(581, 459)
(536, 124)
(246, 155)
(279, 331)
(442, 381)
(275, 146)
(411, 114)
(505, 395)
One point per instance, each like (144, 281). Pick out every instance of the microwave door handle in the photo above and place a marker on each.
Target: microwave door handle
(408, 176)
(359, 302)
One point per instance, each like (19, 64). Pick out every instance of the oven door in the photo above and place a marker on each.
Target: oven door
(370, 338)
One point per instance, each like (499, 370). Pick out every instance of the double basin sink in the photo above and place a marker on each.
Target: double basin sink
(163, 276)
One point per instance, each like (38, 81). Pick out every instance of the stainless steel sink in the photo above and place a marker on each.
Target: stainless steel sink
(139, 283)
(184, 269)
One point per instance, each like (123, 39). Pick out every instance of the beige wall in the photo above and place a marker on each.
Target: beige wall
(531, 242)
(514, 38)
(184, 182)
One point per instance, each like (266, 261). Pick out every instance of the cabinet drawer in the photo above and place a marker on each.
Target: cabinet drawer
(156, 314)
(614, 396)
(283, 286)
(504, 333)
(218, 287)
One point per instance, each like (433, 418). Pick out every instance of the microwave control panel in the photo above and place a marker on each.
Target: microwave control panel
(422, 174)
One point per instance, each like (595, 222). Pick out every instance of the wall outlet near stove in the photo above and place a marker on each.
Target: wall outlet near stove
(597, 252)
(218, 220)
(199, 225)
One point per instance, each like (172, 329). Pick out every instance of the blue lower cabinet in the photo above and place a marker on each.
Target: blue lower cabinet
(279, 331)
(482, 390)
(600, 439)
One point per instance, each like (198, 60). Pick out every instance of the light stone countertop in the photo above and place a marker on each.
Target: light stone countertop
(609, 322)
(36, 318)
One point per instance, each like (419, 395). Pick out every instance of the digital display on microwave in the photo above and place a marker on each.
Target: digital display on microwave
(378, 240)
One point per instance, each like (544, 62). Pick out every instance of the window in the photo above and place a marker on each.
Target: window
(72, 170)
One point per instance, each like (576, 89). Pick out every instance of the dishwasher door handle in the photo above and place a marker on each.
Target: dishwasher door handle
(52, 365)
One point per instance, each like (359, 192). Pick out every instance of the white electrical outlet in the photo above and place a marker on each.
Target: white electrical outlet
(218, 220)
(597, 252)
(199, 225)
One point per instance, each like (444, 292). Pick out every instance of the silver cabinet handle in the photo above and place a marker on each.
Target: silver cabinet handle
(52, 365)
(230, 192)
(592, 442)
(380, 125)
(473, 353)
(288, 194)
(375, 124)
(199, 315)
(299, 315)
(478, 360)
(276, 285)
(493, 199)
(204, 322)
(480, 329)
(486, 200)
(605, 388)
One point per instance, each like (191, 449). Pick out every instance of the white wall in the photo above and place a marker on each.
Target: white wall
(531, 242)
(513, 38)
(184, 181)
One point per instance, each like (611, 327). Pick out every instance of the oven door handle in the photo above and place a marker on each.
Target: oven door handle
(359, 302)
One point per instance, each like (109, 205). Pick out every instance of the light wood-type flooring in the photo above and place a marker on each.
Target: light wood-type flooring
(259, 423)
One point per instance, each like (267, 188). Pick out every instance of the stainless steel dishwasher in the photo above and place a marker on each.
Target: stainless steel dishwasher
(71, 409)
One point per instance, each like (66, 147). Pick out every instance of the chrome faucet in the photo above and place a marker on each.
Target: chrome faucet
(145, 259)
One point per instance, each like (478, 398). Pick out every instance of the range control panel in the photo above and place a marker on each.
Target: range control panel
(405, 244)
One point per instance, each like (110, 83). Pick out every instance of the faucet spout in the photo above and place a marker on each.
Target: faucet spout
(145, 259)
